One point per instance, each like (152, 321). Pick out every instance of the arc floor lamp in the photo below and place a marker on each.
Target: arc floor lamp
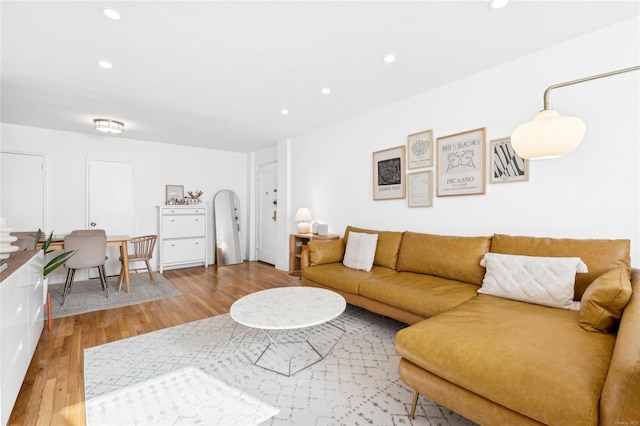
(549, 134)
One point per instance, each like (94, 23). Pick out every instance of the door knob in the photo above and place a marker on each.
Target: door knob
(92, 224)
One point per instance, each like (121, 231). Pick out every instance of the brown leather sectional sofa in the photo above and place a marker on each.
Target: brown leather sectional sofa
(492, 359)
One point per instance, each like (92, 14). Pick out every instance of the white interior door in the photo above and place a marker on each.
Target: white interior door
(23, 190)
(111, 202)
(267, 212)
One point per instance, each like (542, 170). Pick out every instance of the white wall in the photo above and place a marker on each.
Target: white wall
(155, 165)
(592, 193)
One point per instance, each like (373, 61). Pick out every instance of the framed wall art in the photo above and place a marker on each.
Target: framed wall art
(420, 149)
(175, 194)
(505, 164)
(389, 174)
(420, 189)
(461, 163)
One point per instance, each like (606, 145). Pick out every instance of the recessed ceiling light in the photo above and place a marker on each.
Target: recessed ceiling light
(105, 64)
(498, 4)
(389, 59)
(325, 91)
(111, 14)
(284, 111)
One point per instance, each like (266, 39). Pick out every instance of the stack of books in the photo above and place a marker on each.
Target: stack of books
(3, 265)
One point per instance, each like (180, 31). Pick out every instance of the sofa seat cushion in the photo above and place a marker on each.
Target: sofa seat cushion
(532, 359)
(338, 276)
(420, 294)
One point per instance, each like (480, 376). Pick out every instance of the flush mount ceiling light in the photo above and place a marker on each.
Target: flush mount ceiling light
(325, 91)
(111, 14)
(106, 125)
(284, 111)
(105, 64)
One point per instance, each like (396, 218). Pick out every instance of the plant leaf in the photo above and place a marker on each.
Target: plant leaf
(57, 262)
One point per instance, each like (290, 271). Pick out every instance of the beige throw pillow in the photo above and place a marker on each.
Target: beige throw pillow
(546, 281)
(604, 300)
(360, 251)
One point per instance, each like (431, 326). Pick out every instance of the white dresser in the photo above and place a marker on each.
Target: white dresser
(21, 322)
(182, 236)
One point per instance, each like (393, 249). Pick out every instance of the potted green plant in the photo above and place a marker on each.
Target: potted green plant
(58, 260)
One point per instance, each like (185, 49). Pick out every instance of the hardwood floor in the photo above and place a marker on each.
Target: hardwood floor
(53, 389)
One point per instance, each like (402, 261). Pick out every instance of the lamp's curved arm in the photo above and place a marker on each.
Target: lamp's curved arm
(582, 80)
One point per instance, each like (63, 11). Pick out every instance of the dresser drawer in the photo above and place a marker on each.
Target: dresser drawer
(183, 250)
(187, 210)
(183, 226)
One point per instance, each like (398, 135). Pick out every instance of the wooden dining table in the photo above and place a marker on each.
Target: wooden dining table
(57, 243)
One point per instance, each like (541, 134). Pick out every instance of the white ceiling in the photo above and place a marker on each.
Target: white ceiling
(216, 74)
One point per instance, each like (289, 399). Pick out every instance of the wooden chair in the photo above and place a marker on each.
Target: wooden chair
(141, 250)
(91, 252)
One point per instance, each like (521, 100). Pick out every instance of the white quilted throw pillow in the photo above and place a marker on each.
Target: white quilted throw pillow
(546, 281)
(360, 251)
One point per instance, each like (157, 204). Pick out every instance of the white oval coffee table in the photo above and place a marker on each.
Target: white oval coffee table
(287, 328)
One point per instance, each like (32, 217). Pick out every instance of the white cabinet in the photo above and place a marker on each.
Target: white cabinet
(21, 323)
(183, 236)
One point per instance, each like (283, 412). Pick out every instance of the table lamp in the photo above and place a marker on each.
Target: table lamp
(302, 216)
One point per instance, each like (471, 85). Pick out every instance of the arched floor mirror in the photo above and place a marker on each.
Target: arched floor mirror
(226, 222)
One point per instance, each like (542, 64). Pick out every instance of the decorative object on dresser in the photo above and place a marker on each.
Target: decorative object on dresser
(183, 236)
(175, 194)
(302, 216)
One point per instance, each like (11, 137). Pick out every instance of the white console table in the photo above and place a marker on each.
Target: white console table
(182, 235)
(21, 322)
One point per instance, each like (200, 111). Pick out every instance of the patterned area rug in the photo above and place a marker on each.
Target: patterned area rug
(88, 296)
(356, 384)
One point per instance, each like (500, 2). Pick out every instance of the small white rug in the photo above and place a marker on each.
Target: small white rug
(163, 401)
(356, 384)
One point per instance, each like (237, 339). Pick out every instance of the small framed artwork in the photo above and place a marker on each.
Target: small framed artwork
(461, 163)
(175, 194)
(506, 165)
(389, 174)
(420, 149)
(419, 189)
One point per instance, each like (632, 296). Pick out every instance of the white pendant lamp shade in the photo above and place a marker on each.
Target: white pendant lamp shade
(548, 135)
(105, 125)
(302, 216)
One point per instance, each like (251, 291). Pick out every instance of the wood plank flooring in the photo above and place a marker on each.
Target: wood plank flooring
(53, 389)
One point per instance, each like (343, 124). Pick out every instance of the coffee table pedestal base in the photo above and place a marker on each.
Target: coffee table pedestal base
(286, 352)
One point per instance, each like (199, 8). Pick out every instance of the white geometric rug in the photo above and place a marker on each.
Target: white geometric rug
(356, 384)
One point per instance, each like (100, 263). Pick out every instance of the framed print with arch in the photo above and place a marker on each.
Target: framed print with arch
(420, 189)
(506, 165)
(420, 149)
(389, 174)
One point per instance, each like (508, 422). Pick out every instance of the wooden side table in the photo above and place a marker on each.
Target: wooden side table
(298, 243)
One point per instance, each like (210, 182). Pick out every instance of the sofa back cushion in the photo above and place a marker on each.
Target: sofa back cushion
(600, 256)
(325, 251)
(388, 245)
(455, 258)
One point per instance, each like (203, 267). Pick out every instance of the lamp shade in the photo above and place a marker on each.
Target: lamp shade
(302, 216)
(548, 135)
